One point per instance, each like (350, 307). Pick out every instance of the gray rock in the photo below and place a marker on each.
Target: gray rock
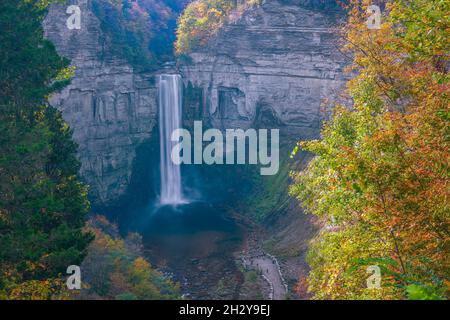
(110, 107)
(273, 67)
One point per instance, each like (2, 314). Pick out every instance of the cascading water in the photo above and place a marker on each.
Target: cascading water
(170, 97)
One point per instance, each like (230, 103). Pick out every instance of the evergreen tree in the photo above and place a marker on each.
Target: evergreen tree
(42, 203)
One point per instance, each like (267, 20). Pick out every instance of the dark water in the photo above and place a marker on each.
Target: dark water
(194, 242)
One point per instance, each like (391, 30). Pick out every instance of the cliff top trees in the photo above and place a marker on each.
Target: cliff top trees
(141, 31)
(29, 63)
(202, 19)
(380, 179)
(42, 203)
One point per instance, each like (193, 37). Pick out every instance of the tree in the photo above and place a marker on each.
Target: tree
(115, 268)
(202, 19)
(380, 178)
(42, 203)
(142, 32)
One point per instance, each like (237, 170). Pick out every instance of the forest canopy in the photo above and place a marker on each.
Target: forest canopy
(378, 182)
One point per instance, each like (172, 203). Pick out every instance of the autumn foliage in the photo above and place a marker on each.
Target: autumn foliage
(115, 268)
(202, 19)
(380, 178)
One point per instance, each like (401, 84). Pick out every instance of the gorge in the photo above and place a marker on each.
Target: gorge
(244, 150)
(271, 68)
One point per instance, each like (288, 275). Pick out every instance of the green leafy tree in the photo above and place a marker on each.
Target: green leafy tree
(42, 203)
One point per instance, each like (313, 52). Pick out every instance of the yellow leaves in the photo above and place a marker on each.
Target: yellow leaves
(141, 264)
(202, 19)
(117, 270)
(66, 73)
(37, 290)
(391, 159)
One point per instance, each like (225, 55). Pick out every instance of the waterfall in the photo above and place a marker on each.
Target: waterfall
(170, 99)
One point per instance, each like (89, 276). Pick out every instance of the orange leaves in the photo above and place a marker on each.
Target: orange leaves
(115, 269)
(388, 192)
(39, 290)
(202, 19)
(301, 288)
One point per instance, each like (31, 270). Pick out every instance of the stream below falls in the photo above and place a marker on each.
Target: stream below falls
(195, 243)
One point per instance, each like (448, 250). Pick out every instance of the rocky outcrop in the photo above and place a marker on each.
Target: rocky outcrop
(110, 107)
(271, 68)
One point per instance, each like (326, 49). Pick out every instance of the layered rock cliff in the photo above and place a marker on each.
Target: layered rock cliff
(110, 107)
(273, 67)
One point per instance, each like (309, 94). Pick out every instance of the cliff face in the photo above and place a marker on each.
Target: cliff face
(110, 107)
(271, 68)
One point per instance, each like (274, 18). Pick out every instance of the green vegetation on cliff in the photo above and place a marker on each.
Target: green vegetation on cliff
(269, 194)
(202, 19)
(140, 31)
